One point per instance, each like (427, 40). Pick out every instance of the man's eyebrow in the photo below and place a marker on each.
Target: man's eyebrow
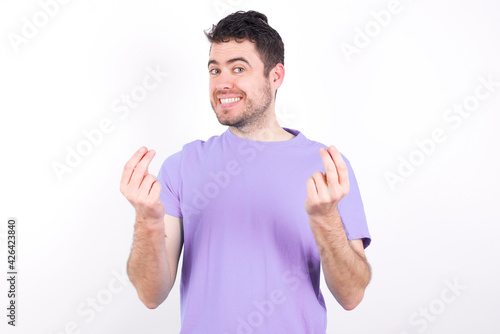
(233, 60)
(212, 61)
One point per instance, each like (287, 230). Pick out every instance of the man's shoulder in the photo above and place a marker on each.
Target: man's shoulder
(316, 145)
(193, 146)
(202, 144)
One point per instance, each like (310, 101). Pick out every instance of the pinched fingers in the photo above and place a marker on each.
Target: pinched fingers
(341, 168)
(337, 177)
(330, 168)
(128, 170)
(140, 170)
(324, 191)
(140, 188)
(136, 181)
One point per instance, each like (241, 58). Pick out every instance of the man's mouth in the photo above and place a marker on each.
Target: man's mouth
(227, 101)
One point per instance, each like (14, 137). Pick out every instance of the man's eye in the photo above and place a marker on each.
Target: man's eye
(214, 71)
(239, 69)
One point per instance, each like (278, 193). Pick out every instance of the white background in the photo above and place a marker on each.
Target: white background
(438, 226)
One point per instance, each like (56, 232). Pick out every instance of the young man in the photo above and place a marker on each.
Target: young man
(258, 209)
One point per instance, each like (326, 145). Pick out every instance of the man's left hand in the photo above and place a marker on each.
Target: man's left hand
(324, 191)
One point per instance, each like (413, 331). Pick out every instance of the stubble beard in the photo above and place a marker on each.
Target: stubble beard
(254, 113)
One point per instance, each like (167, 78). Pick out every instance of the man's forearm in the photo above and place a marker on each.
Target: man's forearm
(147, 266)
(347, 273)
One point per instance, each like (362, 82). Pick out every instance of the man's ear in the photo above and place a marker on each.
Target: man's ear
(277, 75)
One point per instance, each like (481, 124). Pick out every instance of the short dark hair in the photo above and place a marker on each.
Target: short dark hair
(252, 26)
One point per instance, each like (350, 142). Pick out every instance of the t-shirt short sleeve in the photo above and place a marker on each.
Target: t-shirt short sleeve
(352, 212)
(169, 177)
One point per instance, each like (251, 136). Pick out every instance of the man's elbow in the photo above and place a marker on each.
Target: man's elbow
(151, 303)
(352, 302)
(153, 298)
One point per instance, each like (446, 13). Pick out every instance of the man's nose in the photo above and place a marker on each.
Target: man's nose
(224, 81)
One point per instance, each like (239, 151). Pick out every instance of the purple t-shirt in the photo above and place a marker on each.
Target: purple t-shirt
(251, 263)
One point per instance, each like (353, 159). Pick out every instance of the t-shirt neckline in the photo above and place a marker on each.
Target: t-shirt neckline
(298, 139)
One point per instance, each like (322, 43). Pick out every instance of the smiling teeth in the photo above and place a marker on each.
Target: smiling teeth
(230, 100)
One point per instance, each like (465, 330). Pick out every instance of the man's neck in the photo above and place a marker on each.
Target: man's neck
(270, 133)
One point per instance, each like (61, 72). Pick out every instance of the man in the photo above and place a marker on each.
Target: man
(258, 209)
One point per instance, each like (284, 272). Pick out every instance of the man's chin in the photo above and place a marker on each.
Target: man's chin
(225, 118)
(229, 122)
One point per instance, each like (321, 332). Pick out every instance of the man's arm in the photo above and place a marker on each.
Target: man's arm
(153, 261)
(346, 270)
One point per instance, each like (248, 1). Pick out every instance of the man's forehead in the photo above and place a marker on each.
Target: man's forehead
(221, 52)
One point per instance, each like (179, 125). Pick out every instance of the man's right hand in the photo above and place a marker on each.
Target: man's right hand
(142, 189)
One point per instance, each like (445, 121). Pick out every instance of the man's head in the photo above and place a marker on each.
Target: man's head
(251, 26)
(246, 69)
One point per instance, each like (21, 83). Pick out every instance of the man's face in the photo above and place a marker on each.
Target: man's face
(240, 94)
